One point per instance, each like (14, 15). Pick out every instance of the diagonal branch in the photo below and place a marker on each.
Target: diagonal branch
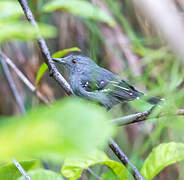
(124, 159)
(12, 85)
(19, 102)
(24, 78)
(94, 174)
(45, 51)
(20, 168)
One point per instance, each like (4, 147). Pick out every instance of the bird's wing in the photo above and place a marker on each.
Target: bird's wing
(111, 85)
(121, 90)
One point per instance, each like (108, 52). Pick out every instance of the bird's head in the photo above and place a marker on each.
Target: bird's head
(75, 63)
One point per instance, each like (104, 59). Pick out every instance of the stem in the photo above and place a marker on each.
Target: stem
(12, 85)
(24, 78)
(124, 159)
(132, 118)
(141, 116)
(94, 174)
(19, 102)
(45, 51)
(20, 168)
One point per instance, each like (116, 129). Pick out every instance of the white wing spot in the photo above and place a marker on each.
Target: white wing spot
(105, 90)
(126, 89)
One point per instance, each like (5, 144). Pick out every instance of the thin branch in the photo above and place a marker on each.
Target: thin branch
(20, 168)
(124, 159)
(141, 116)
(132, 118)
(12, 85)
(45, 51)
(24, 78)
(94, 174)
(19, 102)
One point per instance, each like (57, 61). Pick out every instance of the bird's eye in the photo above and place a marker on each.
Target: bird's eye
(74, 61)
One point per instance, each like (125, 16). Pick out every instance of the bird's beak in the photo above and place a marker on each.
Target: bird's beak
(59, 60)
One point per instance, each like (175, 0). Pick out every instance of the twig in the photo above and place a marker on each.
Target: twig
(94, 174)
(19, 102)
(124, 159)
(45, 52)
(20, 168)
(132, 118)
(24, 78)
(141, 116)
(12, 85)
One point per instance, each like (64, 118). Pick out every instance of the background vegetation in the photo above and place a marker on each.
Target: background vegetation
(120, 36)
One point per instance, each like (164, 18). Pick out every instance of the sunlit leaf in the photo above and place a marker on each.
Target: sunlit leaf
(61, 53)
(57, 54)
(80, 8)
(40, 73)
(162, 156)
(67, 128)
(43, 174)
(23, 31)
(73, 168)
(10, 171)
(10, 9)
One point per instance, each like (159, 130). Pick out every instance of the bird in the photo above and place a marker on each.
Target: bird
(92, 82)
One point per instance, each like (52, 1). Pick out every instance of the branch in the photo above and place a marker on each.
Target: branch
(94, 174)
(132, 118)
(141, 116)
(20, 168)
(45, 51)
(124, 159)
(12, 85)
(24, 78)
(19, 102)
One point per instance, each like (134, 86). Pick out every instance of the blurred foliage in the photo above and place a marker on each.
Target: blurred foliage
(56, 129)
(84, 9)
(73, 168)
(13, 28)
(10, 10)
(118, 37)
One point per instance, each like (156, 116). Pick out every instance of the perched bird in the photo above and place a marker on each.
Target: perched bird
(94, 83)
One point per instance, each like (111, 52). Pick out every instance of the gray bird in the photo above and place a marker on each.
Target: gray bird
(94, 83)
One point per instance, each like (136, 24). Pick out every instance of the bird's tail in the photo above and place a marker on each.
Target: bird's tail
(154, 100)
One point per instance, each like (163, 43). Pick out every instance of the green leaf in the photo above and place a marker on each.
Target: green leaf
(23, 31)
(61, 53)
(81, 8)
(162, 156)
(73, 167)
(10, 171)
(43, 174)
(70, 127)
(109, 175)
(57, 54)
(40, 73)
(10, 9)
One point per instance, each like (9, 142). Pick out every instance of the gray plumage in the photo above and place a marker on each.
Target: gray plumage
(90, 81)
